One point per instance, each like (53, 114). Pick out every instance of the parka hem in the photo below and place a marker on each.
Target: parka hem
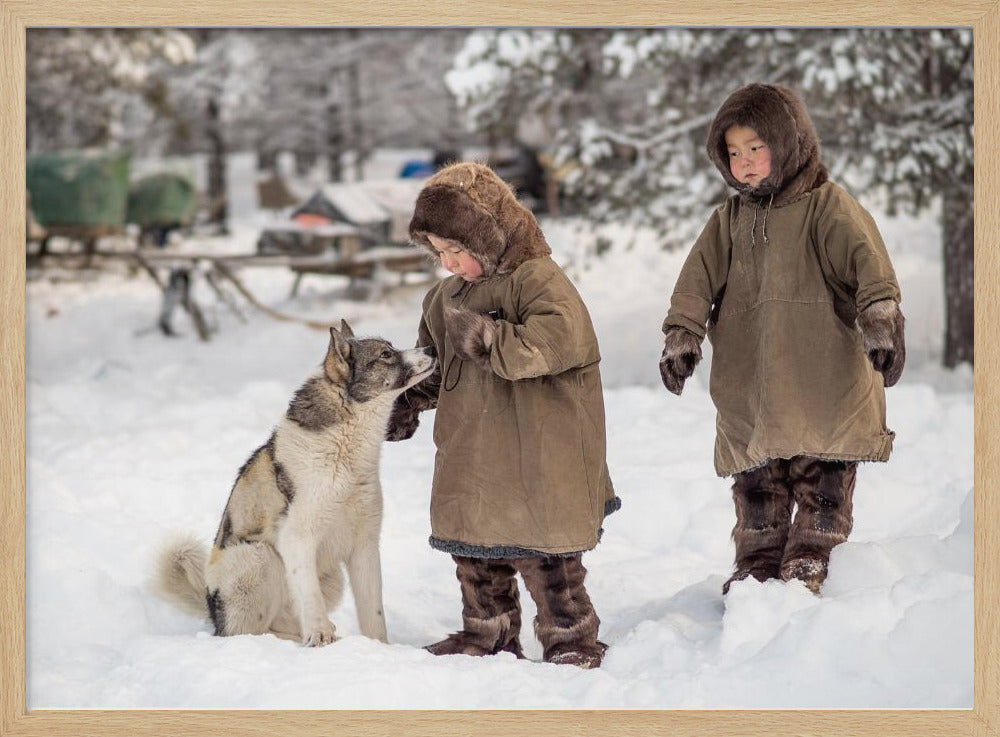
(469, 550)
(878, 457)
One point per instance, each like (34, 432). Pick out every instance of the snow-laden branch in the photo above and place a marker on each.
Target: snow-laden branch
(664, 136)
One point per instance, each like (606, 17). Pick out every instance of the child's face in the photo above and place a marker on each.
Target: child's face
(455, 258)
(749, 156)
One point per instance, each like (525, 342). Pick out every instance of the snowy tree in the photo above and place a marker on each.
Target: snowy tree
(908, 97)
(211, 105)
(320, 93)
(80, 82)
(404, 100)
(337, 91)
(307, 79)
(892, 107)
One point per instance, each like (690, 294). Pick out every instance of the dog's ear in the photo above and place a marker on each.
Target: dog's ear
(345, 329)
(338, 357)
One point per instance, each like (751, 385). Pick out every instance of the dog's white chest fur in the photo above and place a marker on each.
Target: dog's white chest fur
(334, 472)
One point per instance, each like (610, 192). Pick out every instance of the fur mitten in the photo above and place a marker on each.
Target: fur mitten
(405, 417)
(403, 421)
(881, 325)
(471, 334)
(681, 353)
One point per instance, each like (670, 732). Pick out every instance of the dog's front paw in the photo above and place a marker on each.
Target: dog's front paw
(321, 634)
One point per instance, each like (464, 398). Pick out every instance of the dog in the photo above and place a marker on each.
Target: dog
(306, 503)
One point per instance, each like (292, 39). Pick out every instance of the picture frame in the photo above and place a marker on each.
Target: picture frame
(983, 16)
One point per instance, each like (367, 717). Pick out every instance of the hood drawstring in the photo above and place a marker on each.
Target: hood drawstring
(465, 288)
(753, 226)
(447, 373)
(764, 226)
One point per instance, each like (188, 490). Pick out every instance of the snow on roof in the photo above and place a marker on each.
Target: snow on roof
(398, 197)
(395, 195)
(357, 205)
(375, 201)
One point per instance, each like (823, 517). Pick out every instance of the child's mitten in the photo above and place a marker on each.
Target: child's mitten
(881, 325)
(681, 353)
(471, 334)
(404, 420)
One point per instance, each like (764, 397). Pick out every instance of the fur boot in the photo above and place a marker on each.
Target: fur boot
(824, 493)
(882, 328)
(491, 610)
(763, 499)
(566, 624)
(471, 334)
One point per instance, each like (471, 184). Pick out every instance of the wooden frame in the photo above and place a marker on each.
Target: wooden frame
(16, 15)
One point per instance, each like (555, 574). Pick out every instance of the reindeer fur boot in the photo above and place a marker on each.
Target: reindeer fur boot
(824, 493)
(566, 624)
(763, 499)
(491, 610)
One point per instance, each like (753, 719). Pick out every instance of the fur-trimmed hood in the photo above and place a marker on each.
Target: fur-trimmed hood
(467, 202)
(780, 118)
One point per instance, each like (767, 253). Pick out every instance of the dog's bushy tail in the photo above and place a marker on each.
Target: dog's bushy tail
(180, 574)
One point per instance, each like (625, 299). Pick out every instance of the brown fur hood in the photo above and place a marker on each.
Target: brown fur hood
(469, 203)
(780, 118)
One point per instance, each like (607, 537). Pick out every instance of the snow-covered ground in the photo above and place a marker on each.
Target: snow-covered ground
(132, 436)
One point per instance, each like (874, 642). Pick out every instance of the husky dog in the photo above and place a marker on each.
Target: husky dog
(306, 502)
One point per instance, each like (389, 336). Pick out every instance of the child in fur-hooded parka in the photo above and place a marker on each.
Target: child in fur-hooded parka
(521, 483)
(801, 304)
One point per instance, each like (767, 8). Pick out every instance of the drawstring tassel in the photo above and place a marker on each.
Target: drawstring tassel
(764, 227)
(753, 227)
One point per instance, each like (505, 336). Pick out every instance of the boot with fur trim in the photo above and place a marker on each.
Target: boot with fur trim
(763, 499)
(471, 334)
(491, 610)
(566, 624)
(824, 492)
(881, 324)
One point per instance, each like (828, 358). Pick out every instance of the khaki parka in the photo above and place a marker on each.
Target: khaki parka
(521, 463)
(779, 281)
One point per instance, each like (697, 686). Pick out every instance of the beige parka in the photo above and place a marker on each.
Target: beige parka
(779, 275)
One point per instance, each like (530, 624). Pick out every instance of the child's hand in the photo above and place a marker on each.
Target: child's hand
(881, 325)
(403, 421)
(681, 353)
(471, 335)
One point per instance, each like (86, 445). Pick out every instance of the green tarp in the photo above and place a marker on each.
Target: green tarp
(162, 199)
(79, 187)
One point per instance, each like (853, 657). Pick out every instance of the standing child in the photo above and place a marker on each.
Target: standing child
(521, 483)
(802, 307)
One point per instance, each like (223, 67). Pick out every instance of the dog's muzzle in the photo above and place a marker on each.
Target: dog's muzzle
(420, 362)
